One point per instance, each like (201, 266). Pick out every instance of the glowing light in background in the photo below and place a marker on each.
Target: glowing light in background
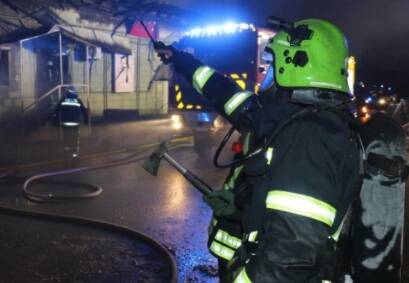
(226, 28)
(204, 117)
(175, 118)
(177, 123)
(366, 117)
(368, 100)
(351, 73)
(382, 101)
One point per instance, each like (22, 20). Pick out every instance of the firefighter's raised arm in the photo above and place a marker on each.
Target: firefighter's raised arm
(225, 95)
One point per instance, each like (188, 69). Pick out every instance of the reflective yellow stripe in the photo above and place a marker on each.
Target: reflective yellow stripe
(201, 76)
(227, 239)
(246, 144)
(325, 281)
(242, 277)
(222, 251)
(232, 180)
(302, 205)
(235, 101)
(253, 236)
(269, 155)
(337, 233)
(181, 105)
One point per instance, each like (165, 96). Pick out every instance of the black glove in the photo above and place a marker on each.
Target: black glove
(221, 202)
(165, 52)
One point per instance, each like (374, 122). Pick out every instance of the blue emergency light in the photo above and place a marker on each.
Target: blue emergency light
(226, 28)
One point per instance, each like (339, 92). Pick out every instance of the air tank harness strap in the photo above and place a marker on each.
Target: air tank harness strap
(389, 167)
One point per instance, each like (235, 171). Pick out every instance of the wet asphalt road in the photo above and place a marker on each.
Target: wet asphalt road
(165, 207)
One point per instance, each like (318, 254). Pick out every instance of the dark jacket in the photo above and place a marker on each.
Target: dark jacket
(299, 188)
(69, 110)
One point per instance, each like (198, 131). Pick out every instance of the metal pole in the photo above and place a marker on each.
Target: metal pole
(61, 76)
(21, 139)
(21, 74)
(61, 67)
(88, 71)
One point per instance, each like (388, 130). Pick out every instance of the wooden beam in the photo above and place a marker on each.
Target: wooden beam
(10, 24)
(5, 28)
(19, 10)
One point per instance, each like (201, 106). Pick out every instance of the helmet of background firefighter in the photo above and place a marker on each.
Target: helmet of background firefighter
(71, 92)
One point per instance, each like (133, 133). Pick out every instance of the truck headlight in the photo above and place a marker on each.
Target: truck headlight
(177, 122)
(176, 118)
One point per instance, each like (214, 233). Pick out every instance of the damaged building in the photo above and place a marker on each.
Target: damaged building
(46, 47)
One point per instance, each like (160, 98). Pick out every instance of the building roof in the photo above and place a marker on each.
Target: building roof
(105, 40)
(19, 18)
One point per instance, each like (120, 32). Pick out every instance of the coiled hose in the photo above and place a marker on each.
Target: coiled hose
(95, 191)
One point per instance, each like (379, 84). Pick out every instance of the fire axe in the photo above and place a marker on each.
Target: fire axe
(152, 164)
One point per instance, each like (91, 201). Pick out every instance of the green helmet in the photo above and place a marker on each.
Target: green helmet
(313, 54)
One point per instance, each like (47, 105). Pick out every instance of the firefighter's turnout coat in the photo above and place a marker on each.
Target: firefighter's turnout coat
(296, 192)
(69, 110)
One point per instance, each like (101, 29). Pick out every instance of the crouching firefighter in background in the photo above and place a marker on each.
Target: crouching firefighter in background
(295, 181)
(68, 115)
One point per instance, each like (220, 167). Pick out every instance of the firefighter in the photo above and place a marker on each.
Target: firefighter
(68, 115)
(301, 170)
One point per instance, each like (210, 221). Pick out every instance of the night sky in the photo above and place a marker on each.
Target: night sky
(377, 30)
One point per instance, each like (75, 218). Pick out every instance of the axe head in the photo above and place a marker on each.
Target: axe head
(152, 163)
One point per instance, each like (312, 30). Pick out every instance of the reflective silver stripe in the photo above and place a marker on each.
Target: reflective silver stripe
(201, 76)
(302, 205)
(235, 101)
(71, 104)
(326, 281)
(227, 239)
(242, 277)
(253, 236)
(222, 251)
(70, 124)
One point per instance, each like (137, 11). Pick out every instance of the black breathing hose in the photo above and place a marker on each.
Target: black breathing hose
(241, 161)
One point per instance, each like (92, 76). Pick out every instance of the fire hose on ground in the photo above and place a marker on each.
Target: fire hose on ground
(96, 190)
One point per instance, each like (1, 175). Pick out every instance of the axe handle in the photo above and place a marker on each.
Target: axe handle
(192, 178)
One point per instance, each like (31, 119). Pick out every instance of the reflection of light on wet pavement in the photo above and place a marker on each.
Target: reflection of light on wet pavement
(177, 197)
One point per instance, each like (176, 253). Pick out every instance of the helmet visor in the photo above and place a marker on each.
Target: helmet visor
(268, 80)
